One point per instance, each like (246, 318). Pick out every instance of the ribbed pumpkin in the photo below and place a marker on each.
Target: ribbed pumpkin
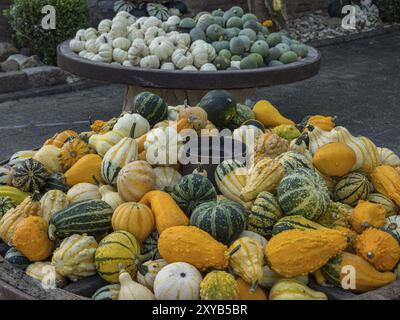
(109, 292)
(84, 170)
(148, 270)
(390, 207)
(72, 151)
(264, 213)
(151, 107)
(135, 180)
(219, 285)
(119, 247)
(231, 178)
(60, 138)
(83, 191)
(6, 203)
(352, 188)
(125, 151)
(303, 192)
(223, 219)
(29, 175)
(8, 223)
(166, 178)
(192, 190)
(177, 281)
(367, 214)
(42, 270)
(136, 218)
(30, 238)
(49, 157)
(379, 248)
(52, 202)
(56, 181)
(74, 258)
(295, 222)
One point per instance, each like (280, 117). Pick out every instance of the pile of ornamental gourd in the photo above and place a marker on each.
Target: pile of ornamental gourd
(230, 40)
(314, 200)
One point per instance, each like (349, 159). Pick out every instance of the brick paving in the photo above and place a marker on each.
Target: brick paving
(359, 82)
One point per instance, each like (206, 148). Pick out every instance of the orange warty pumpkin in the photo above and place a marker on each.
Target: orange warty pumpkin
(367, 214)
(60, 138)
(72, 151)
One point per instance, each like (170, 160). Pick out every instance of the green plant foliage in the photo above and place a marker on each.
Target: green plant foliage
(25, 18)
(390, 9)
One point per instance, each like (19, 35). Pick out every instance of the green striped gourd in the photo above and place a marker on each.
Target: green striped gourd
(39, 270)
(29, 175)
(295, 222)
(92, 217)
(151, 107)
(352, 188)
(303, 192)
(223, 219)
(21, 156)
(74, 258)
(166, 178)
(393, 226)
(125, 151)
(83, 191)
(219, 285)
(158, 10)
(52, 202)
(17, 259)
(103, 142)
(231, 178)
(150, 246)
(118, 249)
(6, 203)
(243, 114)
(56, 181)
(192, 190)
(391, 208)
(109, 292)
(336, 215)
(292, 160)
(147, 272)
(264, 213)
(5, 176)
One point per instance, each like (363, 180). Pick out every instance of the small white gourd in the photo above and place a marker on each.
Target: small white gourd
(168, 66)
(90, 46)
(152, 22)
(208, 67)
(91, 33)
(150, 62)
(182, 58)
(137, 51)
(126, 122)
(152, 33)
(77, 45)
(118, 29)
(104, 26)
(83, 191)
(120, 55)
(134, 34)
(131, 290)
(122, 43)
(190, 68)
(106, 52)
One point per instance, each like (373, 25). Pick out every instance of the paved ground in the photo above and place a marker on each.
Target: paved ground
(359, 82)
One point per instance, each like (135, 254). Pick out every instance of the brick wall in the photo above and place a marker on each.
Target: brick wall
(4, 29)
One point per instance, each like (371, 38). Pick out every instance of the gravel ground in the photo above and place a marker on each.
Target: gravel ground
(359, 82)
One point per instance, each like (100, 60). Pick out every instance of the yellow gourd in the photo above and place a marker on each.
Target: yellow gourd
(379, 248)
(367, 214)
(49, 157)
(334, 159)
(245, 292)
(268, 115)
(30, 238)
(298, 252)
(166, 211)
(194, 246)
(386, 180)
(86, 169)
(291, 289)
(131, 290)
(322, 122)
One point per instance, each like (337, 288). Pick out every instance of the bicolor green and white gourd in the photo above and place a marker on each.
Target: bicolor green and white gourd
(243, 114)
(393, 226)
(52, 202)
(109, 292)
(83, 191)
(6, 203)
(303, 192)
(5, 176)
(151, 107)
(45, 272)
(264, 214)
(147, 272)
(17, 259)
(191, 191)
(391, 208)
(132, 125)
(296, 222)
(92, 217)
(225, 220)
(56, 181)
(21, 156)
(352, 188)
(29, 175)
(158, 10)
(74, 258)
(150, 246)
(166, 178)
(293, 160)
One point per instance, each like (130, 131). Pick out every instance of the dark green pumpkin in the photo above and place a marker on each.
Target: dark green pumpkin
(187, 23)
(29, 175)
(248, 17)
(220, 45)
(237, 46)
(109, 292)
(237, 11)
(273, 55)
(222, 63)
(150, 106)
(197, 34)
(252, 24)
(230, 33)
(150, 246)
(260, 47)
(56, 181)
(192, 190)
(273, 39)
(17, 259)
(264, 213)
(225, 220)
(234, 22)
(218, 13)
(249, 33)
(215, 32)
(295, 223)
(6, 203)
(220, 106)
(243, 114)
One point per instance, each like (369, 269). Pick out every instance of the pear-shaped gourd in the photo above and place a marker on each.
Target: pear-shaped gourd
(103, 142)
(131, 290)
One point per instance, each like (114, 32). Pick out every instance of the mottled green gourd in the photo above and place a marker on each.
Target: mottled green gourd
(6, 203)
(109, 292)
(352, 188)
(219, 285)
(150, 246)
(151, 107)
(17, 259)
(295, 222)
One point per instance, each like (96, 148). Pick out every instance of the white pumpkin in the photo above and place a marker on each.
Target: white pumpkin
(120, 20)
(177, 281)
(151, 22)
(125, 123)
(167, 66)
(150, 62)
(120, 55)
(173, 21)
(52, 202)
(137, 51)
(90, 33)
(200, 53)
(121, 43)
(182, 58)
(102, 39)
(208, 67)
(147, 272)
(127, 63)
(190, 68)
(80, 34)
(83, 191)
(104, 26)
(179, 40)
(161, 47)
(235, 64)
(110, 196)
(77, 45)
(90, 46)
(166, 178)
(89, 55)
(106, 52)
(134, 34)
(118, 29)
(388, 157)
(83, 53)
(103, 142)
(153, 33)
(131, 290)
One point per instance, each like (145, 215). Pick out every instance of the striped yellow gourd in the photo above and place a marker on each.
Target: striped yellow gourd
(319, 138)
(74, 258)
(103, 142)
(52, 202)
(136, 218)
(231, 178)
(135, 180)
(371, 161)
(39, 270)
(117, 157)
(83, 191)
(117, 250)
(388, 157)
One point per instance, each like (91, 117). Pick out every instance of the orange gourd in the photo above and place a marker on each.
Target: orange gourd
(60, 138)
(367, 214)
(322, 122)
(86, 169)
(72, 151)
(386, 180)
(245, 292)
